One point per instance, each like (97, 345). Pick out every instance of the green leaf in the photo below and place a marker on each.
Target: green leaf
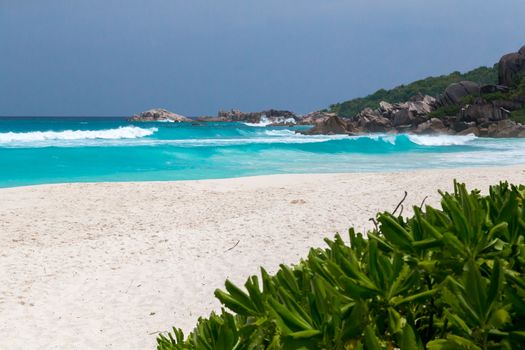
(395, 321)
(421, 295)
(475, 289)
(371, 341)
(239, 295)
(292, 320)
(458, 322)
(394, 232)
(305, 334)
(427, 244)
(232, 303)
(430, 230)
(451, 241)
(410, 339)
(463, 342)
(495, 286)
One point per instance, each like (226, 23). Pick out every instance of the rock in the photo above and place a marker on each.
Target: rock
(271, 117)
(474, 130)
(511, 67)
(491, 88)
(370, 120)
(367, 112)
(418, 105)
(209, 119)
(235, 115)
(422, 106)
(159, 115)
(313, 118)
(507, 104)
(479, 111)
(375, 123)
(460, 126)
(402, 117)
(268, 117)
(505, 128)
(456, 91)
(432, 126)
(386, 107)
(332, 125)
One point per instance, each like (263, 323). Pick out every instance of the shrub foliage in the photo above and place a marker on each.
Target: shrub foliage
(449, 278)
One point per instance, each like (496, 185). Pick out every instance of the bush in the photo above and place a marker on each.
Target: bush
(445, 111)
(449, 278)
(518, 116)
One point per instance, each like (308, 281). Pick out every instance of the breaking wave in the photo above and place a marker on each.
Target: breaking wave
(125, 132)
(441, 140)
(265, 122)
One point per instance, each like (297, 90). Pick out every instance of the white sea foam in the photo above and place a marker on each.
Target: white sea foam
(263, 122)
(127, 132)
(243, 141)
(282, 132)
(292, 134)
(441, 140)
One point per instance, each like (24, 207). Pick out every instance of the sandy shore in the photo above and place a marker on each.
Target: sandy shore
(109, 265)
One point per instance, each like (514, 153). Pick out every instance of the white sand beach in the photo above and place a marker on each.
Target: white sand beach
(109, 265)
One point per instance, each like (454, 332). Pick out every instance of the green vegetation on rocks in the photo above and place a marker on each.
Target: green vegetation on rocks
(518, 116)
(449, 278)
(432, 86)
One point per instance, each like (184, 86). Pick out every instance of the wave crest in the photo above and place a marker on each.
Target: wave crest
(123, 132)
(441, 140)
(265, 122)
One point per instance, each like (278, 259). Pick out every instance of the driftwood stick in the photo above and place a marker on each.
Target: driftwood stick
(235, 245)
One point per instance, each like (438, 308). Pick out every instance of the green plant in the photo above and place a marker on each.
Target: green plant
(449, 278)
(494, 96)
(518, 115)
(445, 111)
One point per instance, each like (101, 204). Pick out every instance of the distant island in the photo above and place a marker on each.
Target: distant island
(486, 102)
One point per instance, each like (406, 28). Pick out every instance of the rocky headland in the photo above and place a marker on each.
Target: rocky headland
(464, 107)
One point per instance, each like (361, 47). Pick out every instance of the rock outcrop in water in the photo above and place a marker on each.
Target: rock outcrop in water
(159, 115)
(330, 126)
(269, 117)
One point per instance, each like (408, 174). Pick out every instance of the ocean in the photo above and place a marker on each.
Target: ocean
(47, 150)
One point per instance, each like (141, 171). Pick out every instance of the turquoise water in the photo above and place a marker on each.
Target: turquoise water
(51, 150)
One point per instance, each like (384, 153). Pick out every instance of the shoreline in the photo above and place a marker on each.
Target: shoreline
(262, 176)
(108, 265)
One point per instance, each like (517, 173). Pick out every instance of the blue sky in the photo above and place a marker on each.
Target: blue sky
(119, 57)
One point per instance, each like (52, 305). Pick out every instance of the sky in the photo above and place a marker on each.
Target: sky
(194, 57)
